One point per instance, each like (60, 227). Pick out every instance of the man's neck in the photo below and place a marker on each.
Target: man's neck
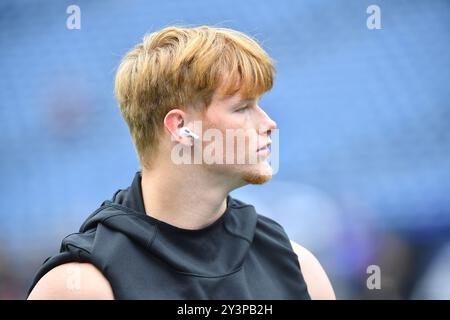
(188, 199)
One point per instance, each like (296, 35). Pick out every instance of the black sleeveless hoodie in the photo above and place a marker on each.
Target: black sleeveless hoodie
(242, 255)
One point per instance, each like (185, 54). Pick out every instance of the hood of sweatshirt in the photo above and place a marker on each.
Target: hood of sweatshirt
(216, 250)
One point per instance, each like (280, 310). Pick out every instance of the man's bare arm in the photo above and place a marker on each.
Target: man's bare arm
(319, 286)
(73, 281)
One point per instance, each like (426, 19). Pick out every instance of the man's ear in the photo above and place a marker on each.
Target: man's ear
(173, 121)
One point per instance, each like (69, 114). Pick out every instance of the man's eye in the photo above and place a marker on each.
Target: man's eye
(242, 109)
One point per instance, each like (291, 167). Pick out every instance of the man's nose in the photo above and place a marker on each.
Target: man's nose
(267, 125)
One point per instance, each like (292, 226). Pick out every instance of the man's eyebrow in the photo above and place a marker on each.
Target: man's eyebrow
(240, 102)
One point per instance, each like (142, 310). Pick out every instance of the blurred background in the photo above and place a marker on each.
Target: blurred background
(364, 119)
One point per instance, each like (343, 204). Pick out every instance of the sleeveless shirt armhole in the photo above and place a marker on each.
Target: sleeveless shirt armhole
(283, 236)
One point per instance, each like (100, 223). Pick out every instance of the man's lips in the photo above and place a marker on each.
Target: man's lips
(264, 147)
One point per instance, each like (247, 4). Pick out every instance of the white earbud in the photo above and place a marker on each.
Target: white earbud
(185, 131)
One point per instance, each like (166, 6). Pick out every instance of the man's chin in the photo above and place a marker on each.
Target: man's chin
(258, 176)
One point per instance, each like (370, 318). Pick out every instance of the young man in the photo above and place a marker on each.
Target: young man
(176, 233)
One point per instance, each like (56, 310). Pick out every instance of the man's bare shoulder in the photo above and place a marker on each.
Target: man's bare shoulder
(319, 286)
(73, 281)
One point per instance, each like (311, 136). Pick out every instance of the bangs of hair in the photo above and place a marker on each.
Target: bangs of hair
(247, 69)
(224, 60)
